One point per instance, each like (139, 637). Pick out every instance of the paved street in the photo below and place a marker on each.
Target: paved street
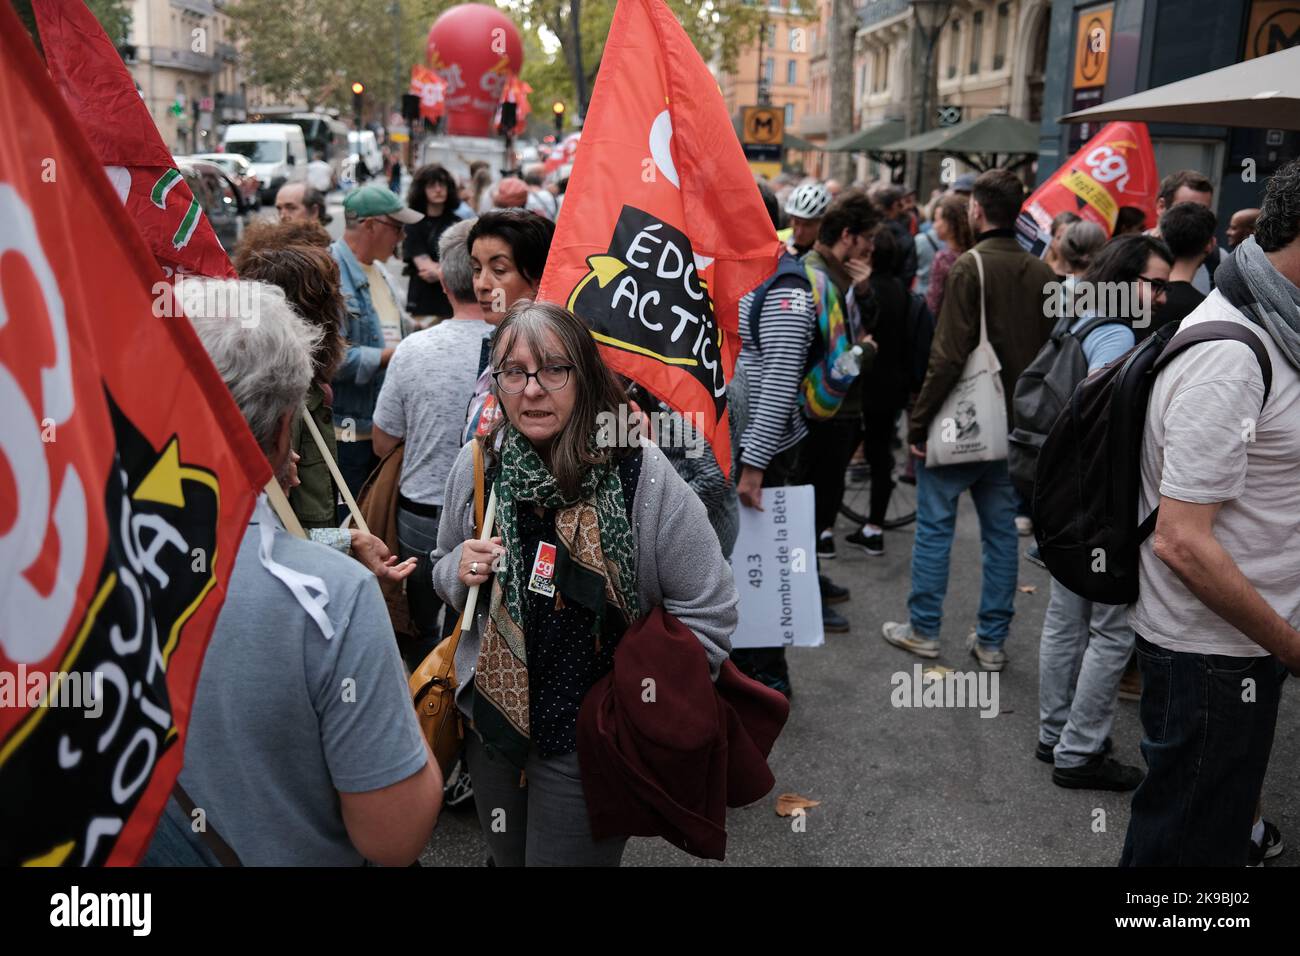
(927, 787)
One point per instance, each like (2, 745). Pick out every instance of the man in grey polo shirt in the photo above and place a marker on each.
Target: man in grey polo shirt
(302, 748)
(429, 383)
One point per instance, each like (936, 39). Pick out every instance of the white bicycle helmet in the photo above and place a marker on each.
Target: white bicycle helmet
(809, 201)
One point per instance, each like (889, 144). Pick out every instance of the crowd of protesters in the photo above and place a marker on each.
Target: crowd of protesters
(344, 374)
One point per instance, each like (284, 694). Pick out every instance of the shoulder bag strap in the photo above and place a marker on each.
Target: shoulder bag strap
(222, 850)
(334, 470)
(984, 329)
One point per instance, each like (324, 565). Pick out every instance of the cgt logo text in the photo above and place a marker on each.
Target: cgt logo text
(103, 909)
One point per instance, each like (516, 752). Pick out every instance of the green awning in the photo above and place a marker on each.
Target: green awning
(798, 142)
(871, 139)
(994, 133)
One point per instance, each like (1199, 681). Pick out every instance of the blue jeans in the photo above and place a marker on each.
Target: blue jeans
(1207, 730)
(937, 493)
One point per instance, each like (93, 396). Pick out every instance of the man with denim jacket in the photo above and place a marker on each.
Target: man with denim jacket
(373, 219)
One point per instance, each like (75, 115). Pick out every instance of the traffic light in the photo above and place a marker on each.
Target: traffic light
(558, 110)
(358, 100)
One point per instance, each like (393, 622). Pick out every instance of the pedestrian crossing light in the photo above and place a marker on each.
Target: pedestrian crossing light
(358, 88)
(358, 95)
(558, 110)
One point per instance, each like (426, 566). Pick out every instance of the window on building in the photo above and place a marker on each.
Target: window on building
(954, 47)
(771, 35)
(1000, 38)
(769, 70)
(976, 41)
(883, 60)
(789, 115)
(792, 71)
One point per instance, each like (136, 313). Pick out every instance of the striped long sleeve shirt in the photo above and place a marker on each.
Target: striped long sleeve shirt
(774, 373)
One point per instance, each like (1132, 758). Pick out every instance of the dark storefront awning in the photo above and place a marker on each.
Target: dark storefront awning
(1263, 93)
(994, 133)
(870, 139)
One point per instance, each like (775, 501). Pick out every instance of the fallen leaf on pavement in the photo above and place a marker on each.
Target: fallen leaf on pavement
(788, 803)
(1028, 588)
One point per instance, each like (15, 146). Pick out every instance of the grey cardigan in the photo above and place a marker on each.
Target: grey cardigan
(679, 564)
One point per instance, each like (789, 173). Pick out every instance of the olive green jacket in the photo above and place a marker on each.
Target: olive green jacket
(1016, 286)
(313, 501)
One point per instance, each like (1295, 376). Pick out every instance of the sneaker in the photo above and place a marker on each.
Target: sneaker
(1270, 848)
(901, 635)
(458, 787)
(990, 659)
(1099, 773)
(1024, 525)
(1047, 752)
(832, 593)
(833, 622)
(826, 546)
(872, 542)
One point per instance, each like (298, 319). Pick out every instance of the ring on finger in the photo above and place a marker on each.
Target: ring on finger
(473, 568)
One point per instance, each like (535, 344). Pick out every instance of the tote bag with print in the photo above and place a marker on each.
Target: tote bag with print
(971, 425)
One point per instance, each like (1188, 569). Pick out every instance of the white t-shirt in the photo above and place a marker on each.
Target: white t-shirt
(1206, 441)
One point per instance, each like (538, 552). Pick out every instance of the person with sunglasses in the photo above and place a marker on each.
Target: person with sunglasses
(1085, 646)
(588, 537)
(374, 219)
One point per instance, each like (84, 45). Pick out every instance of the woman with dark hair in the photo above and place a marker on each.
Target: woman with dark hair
(508, 249)
(1085, 646)
(952, 225)
(432, 192)
(628, 535)
(885, 385)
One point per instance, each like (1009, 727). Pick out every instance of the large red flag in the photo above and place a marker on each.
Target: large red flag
(662, 229)
(127, 476)
(1115, 168)
(103, 97)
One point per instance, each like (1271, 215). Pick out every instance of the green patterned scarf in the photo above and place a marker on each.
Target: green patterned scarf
(595, 567)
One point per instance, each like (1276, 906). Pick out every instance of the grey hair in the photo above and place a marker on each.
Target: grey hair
(453, 256)
(1078, 243)
(264, 353)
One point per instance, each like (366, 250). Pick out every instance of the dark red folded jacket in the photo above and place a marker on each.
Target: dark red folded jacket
(664, 750)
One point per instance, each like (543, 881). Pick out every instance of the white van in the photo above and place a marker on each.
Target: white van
(277, 151)
(365, 152)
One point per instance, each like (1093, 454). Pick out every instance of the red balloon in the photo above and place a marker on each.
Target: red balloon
(474, 48)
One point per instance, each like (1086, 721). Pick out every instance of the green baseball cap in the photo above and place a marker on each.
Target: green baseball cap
(368, 201)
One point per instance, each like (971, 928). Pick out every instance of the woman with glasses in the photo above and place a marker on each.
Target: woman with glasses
(1085, 646)
(588, 539)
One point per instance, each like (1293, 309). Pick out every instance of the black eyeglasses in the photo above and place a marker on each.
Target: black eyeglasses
(1159, 285)
(551, 378)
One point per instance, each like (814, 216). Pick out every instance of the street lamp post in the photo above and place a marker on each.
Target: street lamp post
(928, 19)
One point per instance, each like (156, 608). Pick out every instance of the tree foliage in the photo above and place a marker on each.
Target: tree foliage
(718, 28)
(316, 49)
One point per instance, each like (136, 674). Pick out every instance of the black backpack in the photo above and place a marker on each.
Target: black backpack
(920, 336)
(1089, 474)
(1042, 391)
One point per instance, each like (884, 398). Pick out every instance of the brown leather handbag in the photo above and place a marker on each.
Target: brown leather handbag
(433, 683)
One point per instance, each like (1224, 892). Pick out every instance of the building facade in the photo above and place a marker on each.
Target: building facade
(183, 58)
(776, 65)
(990, 56)
(1149, 43)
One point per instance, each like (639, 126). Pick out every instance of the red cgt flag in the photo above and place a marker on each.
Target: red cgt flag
(432, 91)
(127, 476)
(102, 96)
(660, 287)
(1115, 168)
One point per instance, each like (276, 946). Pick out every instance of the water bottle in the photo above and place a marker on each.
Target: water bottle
(849, 364)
